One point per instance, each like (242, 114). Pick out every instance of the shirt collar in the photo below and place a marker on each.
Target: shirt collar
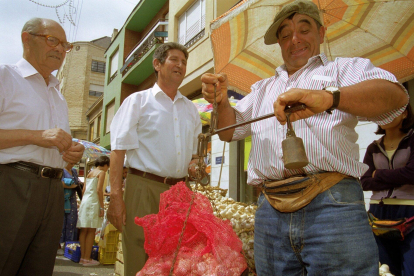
(321, 57)
(28, 70)
(156, 89)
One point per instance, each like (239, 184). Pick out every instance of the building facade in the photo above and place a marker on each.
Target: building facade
(82, 77)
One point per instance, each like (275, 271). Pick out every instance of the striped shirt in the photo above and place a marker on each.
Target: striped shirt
(329, 140)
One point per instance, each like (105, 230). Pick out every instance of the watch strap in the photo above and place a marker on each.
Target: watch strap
(336, 97)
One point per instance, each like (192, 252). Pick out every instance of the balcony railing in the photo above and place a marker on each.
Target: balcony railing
(195, 39)
(155, 36)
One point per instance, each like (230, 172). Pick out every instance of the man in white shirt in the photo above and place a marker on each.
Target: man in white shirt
(35, 146)
(326, 233)
(157, 129)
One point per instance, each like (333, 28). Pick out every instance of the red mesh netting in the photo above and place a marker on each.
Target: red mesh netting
(209, 245)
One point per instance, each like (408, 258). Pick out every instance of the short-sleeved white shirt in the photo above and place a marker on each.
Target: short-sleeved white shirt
(26, 102)
(158, 134)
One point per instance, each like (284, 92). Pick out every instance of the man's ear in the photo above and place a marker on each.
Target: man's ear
(25, 38)
(156, 63)
(322, 33)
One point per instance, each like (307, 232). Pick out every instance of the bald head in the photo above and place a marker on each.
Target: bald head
(36, 50)
(37, 24)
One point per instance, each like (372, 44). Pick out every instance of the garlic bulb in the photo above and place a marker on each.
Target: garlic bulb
(241, 217)
(384, 270)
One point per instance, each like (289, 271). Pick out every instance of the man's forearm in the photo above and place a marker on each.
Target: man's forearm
(372, 98)
(226, 117)
(116, 170)
(10, 138)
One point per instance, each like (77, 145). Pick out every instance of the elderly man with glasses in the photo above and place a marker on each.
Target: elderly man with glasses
(35, 145)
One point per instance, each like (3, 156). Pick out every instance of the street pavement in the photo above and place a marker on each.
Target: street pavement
(65, 267)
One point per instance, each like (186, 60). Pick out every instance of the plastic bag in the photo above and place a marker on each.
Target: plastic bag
(209, 246)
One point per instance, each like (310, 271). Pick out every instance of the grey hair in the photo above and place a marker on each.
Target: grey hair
(34, 25)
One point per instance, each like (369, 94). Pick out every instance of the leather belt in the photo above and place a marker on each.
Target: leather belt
(165, 180)
(39, 170)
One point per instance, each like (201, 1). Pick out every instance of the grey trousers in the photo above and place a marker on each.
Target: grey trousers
(142, 197)
(31, 219)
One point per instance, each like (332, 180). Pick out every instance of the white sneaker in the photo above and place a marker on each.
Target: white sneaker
(60, 252)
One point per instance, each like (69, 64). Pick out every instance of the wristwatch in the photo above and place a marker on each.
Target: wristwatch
(336, 96)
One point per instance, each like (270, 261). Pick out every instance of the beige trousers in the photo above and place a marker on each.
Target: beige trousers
(142, 197)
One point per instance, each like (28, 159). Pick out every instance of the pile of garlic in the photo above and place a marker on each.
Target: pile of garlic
(384, 270)
(73, 246)
(240, 215)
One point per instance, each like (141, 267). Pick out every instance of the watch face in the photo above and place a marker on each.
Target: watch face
(331, 88)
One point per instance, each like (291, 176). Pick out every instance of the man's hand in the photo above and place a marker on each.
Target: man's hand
(74, 153)
(55, 137)
(116, 212)
(208, 81)
(316, 101)
(192, 168)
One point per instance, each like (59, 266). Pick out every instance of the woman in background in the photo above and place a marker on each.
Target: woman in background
(91, 210)
(391, 177)
(70, 183)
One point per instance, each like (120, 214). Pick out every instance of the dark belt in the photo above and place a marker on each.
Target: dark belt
(39, 170)
(165, 180)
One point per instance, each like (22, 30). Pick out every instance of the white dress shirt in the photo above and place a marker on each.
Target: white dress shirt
(158, 134)
(329, 139)
(26, 102)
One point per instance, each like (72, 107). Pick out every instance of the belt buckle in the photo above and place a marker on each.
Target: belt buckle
(165, 180)
(45, 170)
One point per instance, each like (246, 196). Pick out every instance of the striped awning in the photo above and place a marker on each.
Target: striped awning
(380, 30)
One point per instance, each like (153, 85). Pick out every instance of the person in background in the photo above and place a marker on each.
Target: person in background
(329, 233)
(70, 181)
(390, 177)
(91, 210)
(157, 129)
(124, 176)
(35, 145)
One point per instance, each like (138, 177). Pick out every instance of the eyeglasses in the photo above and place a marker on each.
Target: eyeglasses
(54, 41)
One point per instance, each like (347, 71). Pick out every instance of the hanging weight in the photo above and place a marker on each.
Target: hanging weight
(294, 155)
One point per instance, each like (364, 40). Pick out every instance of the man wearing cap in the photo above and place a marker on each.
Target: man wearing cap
(35, 145)
(310, 220)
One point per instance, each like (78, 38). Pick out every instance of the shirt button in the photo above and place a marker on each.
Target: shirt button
(178, 171)
(178, 153)
(176, 119)
(178, 136)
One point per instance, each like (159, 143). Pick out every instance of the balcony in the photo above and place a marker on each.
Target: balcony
(156, 35)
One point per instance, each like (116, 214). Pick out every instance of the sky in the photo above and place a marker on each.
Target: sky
(93, 19)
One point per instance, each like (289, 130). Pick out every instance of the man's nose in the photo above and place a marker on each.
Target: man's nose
(295, 38)
(60, 48)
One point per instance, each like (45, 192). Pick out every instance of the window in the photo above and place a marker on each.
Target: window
(98, 66)
(114, 64)
(95, 93)
(92, 131)
(192, 22)
(98, 127)
(95, 90)
(110, 112)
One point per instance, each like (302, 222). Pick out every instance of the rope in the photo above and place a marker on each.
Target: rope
(181, 235)
(221, 167)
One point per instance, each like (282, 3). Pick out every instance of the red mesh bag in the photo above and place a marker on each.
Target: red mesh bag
(209, 246)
